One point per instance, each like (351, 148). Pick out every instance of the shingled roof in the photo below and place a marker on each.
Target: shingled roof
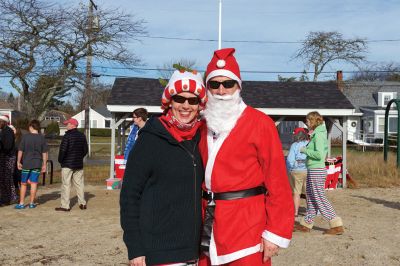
(259, 94)
(309, 95)
(363, 94)
(136, 91)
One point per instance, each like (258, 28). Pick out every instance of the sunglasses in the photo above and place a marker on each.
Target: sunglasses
(228, 84)
(181, 99)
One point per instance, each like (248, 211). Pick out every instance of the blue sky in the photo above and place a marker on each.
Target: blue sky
(255, 20)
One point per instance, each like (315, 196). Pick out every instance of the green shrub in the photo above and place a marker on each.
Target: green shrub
(52, 129)
(99, 132)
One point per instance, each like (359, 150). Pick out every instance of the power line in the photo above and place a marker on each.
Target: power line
(242, 71)
(249, 41)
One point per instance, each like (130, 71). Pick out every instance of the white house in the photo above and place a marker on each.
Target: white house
(99, 118)
(6, 109)
(370, 100)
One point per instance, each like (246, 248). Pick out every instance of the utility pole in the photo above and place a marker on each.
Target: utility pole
(220, 25)
(88, 80)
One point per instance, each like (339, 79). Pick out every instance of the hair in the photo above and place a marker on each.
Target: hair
(315, 119)
(35, 124)
(142, 113)
(301, 136)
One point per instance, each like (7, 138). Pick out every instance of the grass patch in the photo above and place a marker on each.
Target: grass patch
(94, 175)
(369, 169)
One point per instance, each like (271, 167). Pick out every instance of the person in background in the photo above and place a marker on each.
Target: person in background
(161, 195)
(247, 196)
(73, 149)
(139, 117)
(32, 160)
(296, 165)
(316, 151)
(17, 173)
(7, 162)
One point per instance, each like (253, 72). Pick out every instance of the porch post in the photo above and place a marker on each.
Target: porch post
(344, 151)
(112, 145)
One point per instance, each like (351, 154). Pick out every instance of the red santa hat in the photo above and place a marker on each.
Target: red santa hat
(184, 81)
(224, 64)
(5, 118)
(297, 130)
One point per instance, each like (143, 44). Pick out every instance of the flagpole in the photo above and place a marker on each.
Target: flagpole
(220, 24)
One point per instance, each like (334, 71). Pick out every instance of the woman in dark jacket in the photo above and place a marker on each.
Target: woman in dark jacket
(161, 191)
(7, 162)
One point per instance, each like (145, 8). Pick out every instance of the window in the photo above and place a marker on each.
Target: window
(82, 123)
(107, 124)
(386, 99)
(55, 118)
(94, 123)
(381, 124)
(392, 124)
(368, 126)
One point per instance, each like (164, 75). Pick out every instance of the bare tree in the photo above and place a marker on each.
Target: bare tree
(321, 48)
(168, 68)
(378, 72)
(38, 38)
(99, 95)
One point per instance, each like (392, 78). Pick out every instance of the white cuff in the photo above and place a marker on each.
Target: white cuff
(277, 240)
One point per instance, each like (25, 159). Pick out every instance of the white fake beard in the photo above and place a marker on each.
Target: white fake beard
(222, 112)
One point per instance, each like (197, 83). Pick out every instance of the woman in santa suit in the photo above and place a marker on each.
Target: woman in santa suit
(161, 193)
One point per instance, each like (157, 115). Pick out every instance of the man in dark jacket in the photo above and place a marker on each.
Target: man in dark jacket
(73, 149)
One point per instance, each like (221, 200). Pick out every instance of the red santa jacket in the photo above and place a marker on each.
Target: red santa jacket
(249, 156)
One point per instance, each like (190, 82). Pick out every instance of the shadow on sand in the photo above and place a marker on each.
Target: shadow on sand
(55, 195)
(389, 204)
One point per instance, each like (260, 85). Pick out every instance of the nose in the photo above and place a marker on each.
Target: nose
(221, 90)
(186, 104)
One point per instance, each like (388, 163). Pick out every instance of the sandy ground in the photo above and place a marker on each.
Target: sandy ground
(93, 237)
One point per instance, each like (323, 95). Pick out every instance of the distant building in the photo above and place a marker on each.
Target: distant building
(7, 109)
(55, 116)
(370, 100)
(99, 117)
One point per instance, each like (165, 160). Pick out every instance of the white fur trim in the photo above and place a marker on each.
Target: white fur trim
(4, 118)
(225, 73)
(213, 148)
(217, 260)
(277, 240)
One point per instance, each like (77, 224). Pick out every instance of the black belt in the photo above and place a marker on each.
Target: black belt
(232, 195)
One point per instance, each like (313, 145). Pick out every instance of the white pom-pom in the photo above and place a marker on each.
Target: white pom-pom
(221, 63)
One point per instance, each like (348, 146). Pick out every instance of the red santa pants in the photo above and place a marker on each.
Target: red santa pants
(253, 260)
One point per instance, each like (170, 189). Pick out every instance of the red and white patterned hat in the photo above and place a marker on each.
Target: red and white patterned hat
(184, 81)
(223, 63)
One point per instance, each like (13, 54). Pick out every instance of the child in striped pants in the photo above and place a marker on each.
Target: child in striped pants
(316, 152)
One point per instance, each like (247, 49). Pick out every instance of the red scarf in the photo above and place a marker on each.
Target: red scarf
(180, 131)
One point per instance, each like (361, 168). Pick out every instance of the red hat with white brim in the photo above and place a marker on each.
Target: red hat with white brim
(223, 63)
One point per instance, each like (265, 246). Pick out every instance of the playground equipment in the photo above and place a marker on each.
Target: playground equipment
(49, 162)
(385, 141)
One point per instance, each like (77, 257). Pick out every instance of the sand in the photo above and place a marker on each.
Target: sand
(43, 236)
